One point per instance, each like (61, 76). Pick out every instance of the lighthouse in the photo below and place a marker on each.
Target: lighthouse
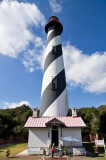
(53, 124)
(54, 101)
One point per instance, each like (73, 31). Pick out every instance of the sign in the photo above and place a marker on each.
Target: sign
(99, 142)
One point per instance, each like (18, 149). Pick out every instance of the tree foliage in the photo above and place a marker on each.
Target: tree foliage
(13, 120)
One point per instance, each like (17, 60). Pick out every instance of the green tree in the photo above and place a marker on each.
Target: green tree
(95, 121)
(14, 119)
(103, 124)
(20, 130)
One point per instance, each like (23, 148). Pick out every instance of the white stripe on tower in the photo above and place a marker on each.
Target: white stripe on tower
(54, 100)
(49, 33)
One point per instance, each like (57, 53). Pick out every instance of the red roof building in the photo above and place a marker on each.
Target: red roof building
(43, 131)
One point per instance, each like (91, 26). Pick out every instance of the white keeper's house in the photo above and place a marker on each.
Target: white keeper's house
(53, 124)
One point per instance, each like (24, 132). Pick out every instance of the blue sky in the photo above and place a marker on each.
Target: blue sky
(23, 43)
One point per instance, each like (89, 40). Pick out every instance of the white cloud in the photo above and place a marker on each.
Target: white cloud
(86, 71)
(34, 59)
(5, 105)
(16, 20)
(55, 5)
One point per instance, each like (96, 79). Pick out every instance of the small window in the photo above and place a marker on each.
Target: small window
(53, 50)
(54, 83)
(49, 132)
(61, 132)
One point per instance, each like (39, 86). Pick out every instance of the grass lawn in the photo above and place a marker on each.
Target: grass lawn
(14, 150)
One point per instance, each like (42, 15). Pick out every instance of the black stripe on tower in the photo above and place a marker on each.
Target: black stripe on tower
(53, 34)
(51, 57)
(50, 95)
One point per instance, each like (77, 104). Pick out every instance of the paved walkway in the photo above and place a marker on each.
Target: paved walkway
(23, 153)
(57, 158)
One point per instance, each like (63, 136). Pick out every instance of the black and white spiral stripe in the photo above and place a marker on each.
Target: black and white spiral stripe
(54, 102)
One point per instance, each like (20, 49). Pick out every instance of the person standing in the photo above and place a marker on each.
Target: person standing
(52, 150)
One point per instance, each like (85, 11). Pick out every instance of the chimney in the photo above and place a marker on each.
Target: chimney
(74, 113)
(35, 112)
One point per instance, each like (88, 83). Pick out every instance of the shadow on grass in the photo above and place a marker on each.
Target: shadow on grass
(12, 157)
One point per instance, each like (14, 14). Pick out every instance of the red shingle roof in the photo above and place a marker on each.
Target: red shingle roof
(41, 122)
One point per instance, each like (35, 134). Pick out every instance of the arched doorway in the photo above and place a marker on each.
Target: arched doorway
(55, 135)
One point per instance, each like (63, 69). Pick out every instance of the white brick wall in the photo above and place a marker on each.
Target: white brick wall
(38, 137)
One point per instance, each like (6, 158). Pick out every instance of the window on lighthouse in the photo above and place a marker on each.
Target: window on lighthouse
(54, 83)
(53, 50)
